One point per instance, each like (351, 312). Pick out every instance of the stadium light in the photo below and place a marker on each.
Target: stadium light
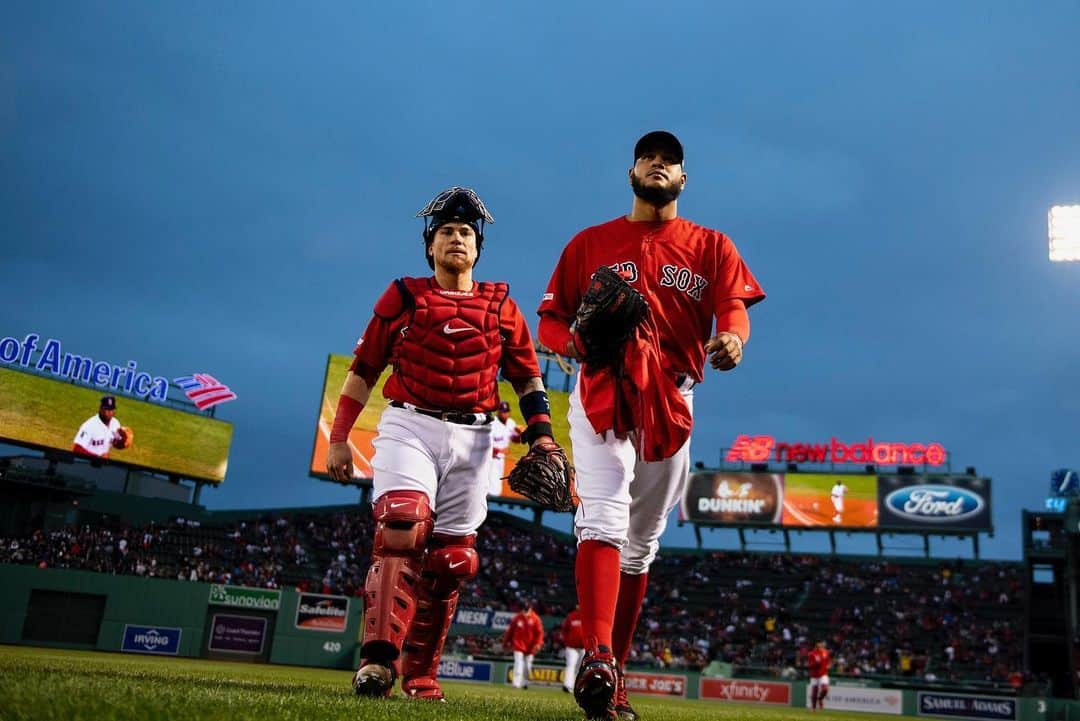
(1064, 225)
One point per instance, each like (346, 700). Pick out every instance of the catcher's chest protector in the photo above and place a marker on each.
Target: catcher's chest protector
(450, 354)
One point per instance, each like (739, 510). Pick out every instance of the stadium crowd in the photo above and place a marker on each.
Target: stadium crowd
(758, 612)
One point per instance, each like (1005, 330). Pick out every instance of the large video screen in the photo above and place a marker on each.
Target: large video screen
(49, 414)
(933, 503)
(365, 430)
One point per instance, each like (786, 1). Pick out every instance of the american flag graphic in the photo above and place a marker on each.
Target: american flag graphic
(204, 390)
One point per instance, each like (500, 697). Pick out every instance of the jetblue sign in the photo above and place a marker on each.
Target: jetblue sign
(465, 670)
(954, 705)
(934, 503)
(151, 639)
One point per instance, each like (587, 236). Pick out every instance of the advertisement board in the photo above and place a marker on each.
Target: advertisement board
(473, 616)
(237, 634)
(935, 502)
(741, 691)
(364, 431)
(47, 413)
(834, 500)
(539, 675)
(867, 700)
(318, 612)
(655, 684)
(965, 706)
(162, 640)
(479, 671)
(263, 599)
(733, 498)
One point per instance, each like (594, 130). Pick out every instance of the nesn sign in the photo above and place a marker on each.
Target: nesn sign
(151, 639)
(934, 503)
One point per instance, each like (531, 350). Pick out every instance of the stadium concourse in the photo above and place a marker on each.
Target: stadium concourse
(760, 613)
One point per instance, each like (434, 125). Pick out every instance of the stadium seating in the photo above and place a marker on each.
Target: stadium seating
(757, 612)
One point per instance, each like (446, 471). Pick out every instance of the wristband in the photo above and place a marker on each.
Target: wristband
(535, 430)
(534, 404)
(348, 410)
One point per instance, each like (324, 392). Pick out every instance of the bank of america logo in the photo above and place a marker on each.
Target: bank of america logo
(204, 390)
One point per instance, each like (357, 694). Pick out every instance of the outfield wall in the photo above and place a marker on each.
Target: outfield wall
(95, 611)
(88, 610)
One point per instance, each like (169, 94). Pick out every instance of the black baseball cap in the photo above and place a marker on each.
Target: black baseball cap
(658, 140)
(108, 403)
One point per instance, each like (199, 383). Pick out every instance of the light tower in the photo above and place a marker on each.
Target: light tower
(1063, 222)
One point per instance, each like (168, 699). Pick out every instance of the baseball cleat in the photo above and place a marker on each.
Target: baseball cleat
(623, 709)
(373, 680)
(596, 682)
(425, 688)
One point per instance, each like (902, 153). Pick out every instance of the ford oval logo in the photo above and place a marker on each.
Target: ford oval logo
(934, 503)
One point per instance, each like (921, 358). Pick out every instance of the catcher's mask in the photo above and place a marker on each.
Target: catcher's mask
(454, 205)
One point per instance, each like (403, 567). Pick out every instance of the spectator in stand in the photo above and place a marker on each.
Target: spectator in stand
(574, 641)
(524, 637)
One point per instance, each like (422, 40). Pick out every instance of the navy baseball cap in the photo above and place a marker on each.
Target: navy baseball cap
(504, 407)
(658, 140)
(108, 403)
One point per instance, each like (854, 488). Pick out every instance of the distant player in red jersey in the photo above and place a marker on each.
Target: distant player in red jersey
(574, 642)
(817, 663)
(447, 337)
(630, 430)
(524, 636)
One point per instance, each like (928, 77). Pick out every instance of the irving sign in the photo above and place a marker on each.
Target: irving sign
(762, 449)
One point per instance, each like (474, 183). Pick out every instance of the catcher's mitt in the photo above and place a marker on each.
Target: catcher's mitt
(609, 313)
(545, 475)
(124, 438)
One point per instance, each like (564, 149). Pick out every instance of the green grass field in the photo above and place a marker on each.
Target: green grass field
(58, 685)
(48, 413)
(859, 486)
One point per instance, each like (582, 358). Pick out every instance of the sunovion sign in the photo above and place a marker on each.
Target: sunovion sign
(934, 502)
(53, 359)
(762, 449)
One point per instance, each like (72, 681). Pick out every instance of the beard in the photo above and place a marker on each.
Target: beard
(655, 195)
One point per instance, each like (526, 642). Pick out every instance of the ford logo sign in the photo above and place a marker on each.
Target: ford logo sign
(934, 503)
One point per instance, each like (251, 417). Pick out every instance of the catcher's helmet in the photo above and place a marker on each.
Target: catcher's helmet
(454, 205)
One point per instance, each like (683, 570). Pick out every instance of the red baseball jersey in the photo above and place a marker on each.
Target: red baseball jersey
(573, 635)
(683, 269)
(526, 632)
(817, 662)
(381, 343)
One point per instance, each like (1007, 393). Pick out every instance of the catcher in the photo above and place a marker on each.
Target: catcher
(102, 432)
(635, 299)
(434, 445)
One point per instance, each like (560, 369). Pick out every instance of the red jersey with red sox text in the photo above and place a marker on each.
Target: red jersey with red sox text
(381, 344)
(817, 662)
(683, 269)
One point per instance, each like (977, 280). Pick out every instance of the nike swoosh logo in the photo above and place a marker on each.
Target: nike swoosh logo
(459, 563)
(399, 505)
(450, 331)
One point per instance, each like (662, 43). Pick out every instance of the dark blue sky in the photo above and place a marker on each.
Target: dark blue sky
(227, 189)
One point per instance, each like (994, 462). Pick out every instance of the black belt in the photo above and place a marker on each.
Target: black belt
(459, 417)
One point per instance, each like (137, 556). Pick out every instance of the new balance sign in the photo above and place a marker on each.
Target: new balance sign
(151, 639)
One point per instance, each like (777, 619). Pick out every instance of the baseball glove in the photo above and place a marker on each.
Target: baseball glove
(545, 475)
(609, 313)
(124, 438)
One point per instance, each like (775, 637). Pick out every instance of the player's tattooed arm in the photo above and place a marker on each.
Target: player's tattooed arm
(354, 396)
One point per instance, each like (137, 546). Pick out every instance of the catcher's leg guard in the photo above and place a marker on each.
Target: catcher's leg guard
(450, 561)
(402, 528)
